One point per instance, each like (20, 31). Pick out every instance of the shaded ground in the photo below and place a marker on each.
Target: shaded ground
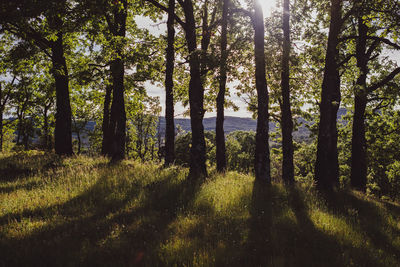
(82, 211)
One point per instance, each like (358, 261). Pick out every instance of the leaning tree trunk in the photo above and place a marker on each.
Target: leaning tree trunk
(196, 97)
(327, 164)
(358, 175)
(169, 88)
(63, 135)
(219, 129)
(287, 120)
(262, 160)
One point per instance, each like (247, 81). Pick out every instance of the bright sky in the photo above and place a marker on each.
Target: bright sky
(153, 90)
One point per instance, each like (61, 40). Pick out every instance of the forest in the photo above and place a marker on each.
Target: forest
(96, 169)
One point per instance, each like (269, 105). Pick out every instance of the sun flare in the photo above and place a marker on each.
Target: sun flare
(267, 6)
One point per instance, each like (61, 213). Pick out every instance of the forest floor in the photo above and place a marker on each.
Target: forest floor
(84, 211)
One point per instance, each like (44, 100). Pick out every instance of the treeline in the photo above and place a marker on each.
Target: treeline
(68, 62)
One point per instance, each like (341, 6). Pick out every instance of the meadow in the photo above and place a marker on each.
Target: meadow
(84, 211)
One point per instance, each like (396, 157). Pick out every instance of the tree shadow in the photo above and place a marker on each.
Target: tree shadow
(368, 217)
(20, 166)
(258, 249)
(96, 228)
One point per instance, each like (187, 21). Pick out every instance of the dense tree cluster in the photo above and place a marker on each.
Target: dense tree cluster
(68, 64)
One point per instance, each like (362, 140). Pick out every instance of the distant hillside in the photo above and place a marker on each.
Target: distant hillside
(230, 124)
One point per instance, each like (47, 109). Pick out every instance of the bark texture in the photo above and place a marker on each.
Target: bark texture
(358, 175)
(287, 120)
(106, 121)
(327, 165)
(117, 125)
(262, 159)
(220, 135)
(62, 135)
(169, 88)
(196, 97)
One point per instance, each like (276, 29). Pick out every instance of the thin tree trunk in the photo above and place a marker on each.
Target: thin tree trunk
(46, 128)
(63, 135)
(287, 120)
(327, 165)
(1, 129)
(358, 175)
(106, 121)
(219, 130)
(196, 97)
(79, 141)
(1, 118)
(262, 160)
(169, 88)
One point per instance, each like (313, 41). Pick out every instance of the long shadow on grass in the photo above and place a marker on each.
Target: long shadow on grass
(12, 169)
(368, 217)
(95, 228)
(257, 250)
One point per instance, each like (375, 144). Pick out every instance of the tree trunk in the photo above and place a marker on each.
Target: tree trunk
(327, 165)
(46, 128)
(196, 97)
(1, 127)
(219, 130)
(2, 105)
(79, 141)
(358, 175)
(287, 120)
(169, 88)
(106, 121)
(262, 160)
(63, 135)
(117, 126)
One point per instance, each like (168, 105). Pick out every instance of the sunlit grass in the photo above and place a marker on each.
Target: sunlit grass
(84, 211)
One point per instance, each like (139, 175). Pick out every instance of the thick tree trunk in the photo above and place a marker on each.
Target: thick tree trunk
(196, 97)
(219, 130)
(117, 125)
(262, 160)
(63, 136)
(287, 120)
(358, 144)
(169, 88)
(327, 165)
(106, 121)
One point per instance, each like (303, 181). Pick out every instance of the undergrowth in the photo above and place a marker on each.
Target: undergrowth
(83, 211)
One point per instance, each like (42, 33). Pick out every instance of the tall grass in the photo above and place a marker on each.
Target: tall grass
(82, 211)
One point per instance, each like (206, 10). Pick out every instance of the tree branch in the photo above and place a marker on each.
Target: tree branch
(165, 9)
(387, 79)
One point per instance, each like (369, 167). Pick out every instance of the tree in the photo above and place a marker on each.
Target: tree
(196, 89)
(287, 121)
(219, 130)
(262, 160)
(47, 24)
(169, 88)
(327, 166)
(368, 46)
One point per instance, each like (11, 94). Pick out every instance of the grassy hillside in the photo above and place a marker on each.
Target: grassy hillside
(83, 211)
